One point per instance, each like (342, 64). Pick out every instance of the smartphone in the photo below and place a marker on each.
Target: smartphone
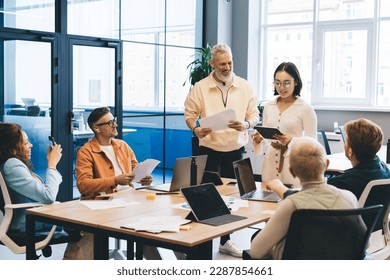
(52, 142)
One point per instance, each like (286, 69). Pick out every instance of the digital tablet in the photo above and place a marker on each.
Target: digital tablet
(268, 132)
(212, 177)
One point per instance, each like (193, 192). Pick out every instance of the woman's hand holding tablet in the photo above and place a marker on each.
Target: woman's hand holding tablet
(268, 132)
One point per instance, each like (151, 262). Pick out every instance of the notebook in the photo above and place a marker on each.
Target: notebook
(208, 206)
(181, 176)
(247, 185)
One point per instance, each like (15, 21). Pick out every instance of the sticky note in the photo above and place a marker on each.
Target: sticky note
(185, 228)
(150, 196)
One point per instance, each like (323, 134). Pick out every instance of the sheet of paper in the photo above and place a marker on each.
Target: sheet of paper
(231, 202)
(234, 203)
(156, 224)
(107, 204)
(182, 206)
(144, 169)
(218, 121)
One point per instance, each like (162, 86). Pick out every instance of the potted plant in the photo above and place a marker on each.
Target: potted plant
(200, 67)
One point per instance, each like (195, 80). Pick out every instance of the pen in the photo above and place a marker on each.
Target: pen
(164, 193)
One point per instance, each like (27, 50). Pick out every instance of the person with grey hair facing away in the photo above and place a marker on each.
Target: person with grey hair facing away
(308, 163)
(363, 141)
(219, 91)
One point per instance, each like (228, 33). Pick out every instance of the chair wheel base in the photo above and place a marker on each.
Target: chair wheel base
(46, 252)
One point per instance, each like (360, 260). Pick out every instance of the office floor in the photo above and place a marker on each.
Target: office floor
(240, 238)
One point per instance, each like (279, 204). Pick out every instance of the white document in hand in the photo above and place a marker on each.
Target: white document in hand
(219, 120)
(144, 169)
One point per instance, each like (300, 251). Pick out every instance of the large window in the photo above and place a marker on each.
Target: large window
(340, 48)
(158, 43)
(27, 14)
(71, 56)
(94, 18)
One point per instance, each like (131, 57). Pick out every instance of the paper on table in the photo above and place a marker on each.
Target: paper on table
(219, 120)
(232, 203)
(144, 169)
(107, 204)
(156, 224)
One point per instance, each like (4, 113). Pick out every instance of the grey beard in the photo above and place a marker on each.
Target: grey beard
(224, 78)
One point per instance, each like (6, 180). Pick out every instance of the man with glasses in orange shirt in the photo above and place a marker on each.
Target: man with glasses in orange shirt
(103, 165)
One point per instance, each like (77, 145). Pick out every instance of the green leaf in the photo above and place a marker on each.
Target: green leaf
(199, 68)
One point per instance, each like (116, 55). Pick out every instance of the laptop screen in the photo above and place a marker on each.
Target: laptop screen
(205, 201)
(244, 175)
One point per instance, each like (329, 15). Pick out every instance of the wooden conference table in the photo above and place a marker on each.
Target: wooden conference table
(196, 243)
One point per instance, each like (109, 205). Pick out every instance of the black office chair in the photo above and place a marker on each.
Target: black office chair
(329, 234)
(321, 137)
(33, 110)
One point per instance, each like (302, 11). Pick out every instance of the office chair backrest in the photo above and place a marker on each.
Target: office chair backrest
(378, 192)
(5, 198)
(16, 242)
(321, 137)
(329, 234)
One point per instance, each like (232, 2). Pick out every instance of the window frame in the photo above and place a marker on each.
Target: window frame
(317, 97)
(314, 85)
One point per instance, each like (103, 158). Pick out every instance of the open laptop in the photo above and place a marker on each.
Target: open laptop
(247, 184)
(208, 206)
(181, 176)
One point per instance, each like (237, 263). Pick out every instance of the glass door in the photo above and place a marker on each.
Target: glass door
(26, 85)
(94, 84)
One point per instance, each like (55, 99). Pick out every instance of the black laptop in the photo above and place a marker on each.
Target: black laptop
(208, 206)
(247, 184)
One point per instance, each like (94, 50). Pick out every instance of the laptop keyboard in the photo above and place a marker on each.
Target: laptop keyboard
(221, 220)
(258, 194)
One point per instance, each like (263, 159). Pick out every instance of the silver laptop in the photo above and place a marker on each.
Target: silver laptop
(181, 176)
(208, 206)
(247, 184)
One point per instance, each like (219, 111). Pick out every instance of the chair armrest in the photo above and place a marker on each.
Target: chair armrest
(368, 257)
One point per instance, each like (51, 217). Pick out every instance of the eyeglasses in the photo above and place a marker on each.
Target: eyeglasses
(286, 84)
(111, 123)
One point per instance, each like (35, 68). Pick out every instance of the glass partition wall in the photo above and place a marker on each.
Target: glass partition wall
(69, 57)
(27, 93)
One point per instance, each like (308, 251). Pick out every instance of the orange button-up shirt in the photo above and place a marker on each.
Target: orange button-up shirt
(95, 172)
